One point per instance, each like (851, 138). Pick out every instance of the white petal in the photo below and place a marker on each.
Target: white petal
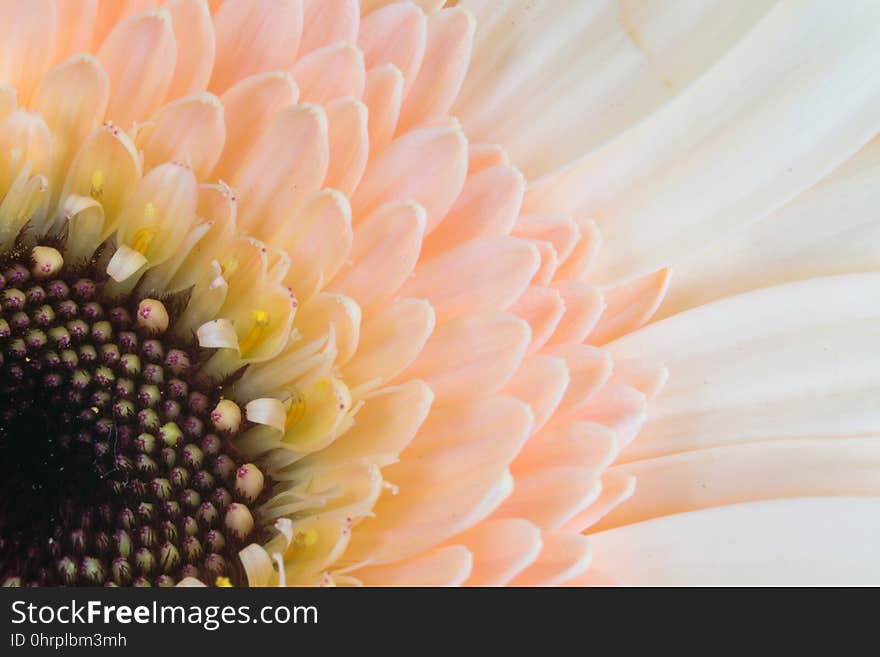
(803, 542)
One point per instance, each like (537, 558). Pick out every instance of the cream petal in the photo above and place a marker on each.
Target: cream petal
(76, 20)
(584, 305)
(248, 106)
(563, 557)
(349, 144)
(727, 144)
(25, 141)
(254, 37)
(610, 64)
(329, 21)
(383, 94)
(385, 425)
(28, 30)
(829, 229)
(71, 97)
(550, 498)
(448, 566)
(106, 168)
(630, 305)
(288, 161)
(645, 376)
(322, 311)
(196, 45)
(540, 382)
(7, 101)
(542, 308)
(331, 72)
(426, 513)
(807, 467)
(390, 341)
(501, 549)
(483, 274)
(802, 542)
(385, 250)
(447, 54)
(427, 166)
(488, 206)
(217, 334)
(472, 356)
(396, 34)
(189, 130)
(788, 361)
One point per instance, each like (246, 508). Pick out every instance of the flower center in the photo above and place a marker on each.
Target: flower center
(116, 459)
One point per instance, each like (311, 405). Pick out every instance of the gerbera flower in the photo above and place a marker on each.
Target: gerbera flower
(278, 306)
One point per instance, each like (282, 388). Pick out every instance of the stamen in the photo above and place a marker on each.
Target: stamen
(261, 323)
(296, 409)
(97, 186)
(143, 237)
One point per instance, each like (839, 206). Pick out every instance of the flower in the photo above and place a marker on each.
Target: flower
(278, 317)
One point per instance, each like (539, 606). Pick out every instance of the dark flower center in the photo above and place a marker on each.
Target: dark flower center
(112, 470)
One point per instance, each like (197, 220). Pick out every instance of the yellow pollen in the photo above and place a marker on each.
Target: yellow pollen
(229, 268)
(261, 323)
(296, 410)
(223, 582)
(97, 188)
(301, 541)
(142, 240)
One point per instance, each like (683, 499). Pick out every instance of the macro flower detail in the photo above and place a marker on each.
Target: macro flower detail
(278, 305)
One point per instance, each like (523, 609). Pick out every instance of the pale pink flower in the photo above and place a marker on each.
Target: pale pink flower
(449, 380)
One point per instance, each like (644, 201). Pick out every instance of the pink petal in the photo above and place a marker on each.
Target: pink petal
(189, 130)
(617, 488)
(484, 274)
(542, 308)
(349, 144)
(630, 305)
(488, 206)
(248, 107)
(76, 20)
(540, 382)
(563, 557)
(27, 43)
(485, 156)
(331, 72)
(584, 305)
(396, 34)
(589, 369)
(139, 56)
(287, 162)
(383, 94)
(550, 498)
(328, 21)
(501, 549)
(194, 34)
(449, 566)
(427, 166)
(255, 37)
(472, 356)
(386, 248)
(450, 40)
(390, 341)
